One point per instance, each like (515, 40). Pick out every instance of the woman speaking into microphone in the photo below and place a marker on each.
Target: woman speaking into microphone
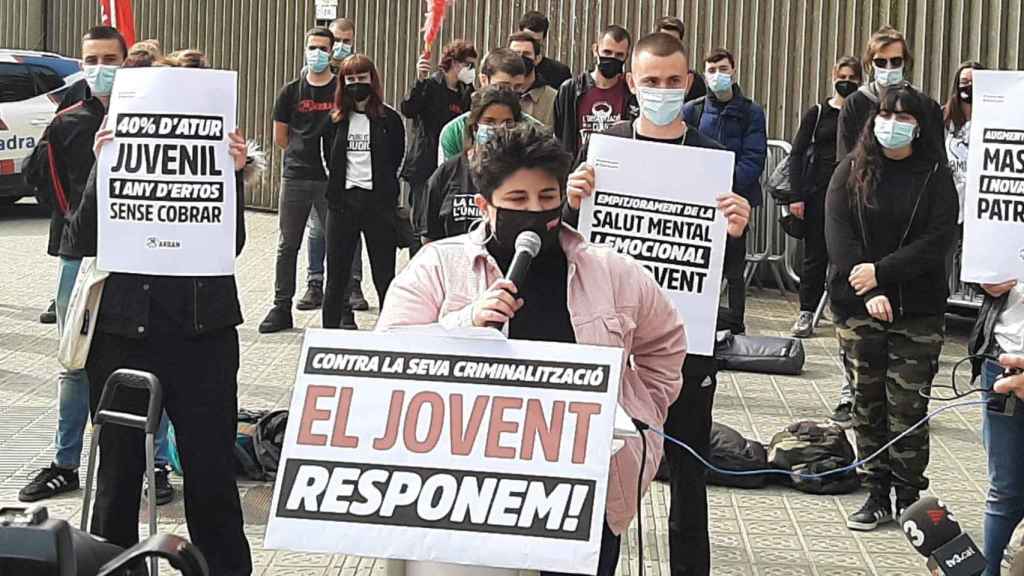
(574, 292)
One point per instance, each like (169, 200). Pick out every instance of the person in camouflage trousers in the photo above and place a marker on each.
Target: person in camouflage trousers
(890, 366)
(890, 218)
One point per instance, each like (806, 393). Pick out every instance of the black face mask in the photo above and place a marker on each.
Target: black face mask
(359, 91)
(846, 87)
(510, 223)
(529, 64)
(966, 93)
(609, 67)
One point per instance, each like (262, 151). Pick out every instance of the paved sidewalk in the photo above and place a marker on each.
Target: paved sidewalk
(772, 532)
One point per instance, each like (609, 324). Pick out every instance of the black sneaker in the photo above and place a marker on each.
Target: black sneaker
(312, 299)
(843, 416)
(50, 316)
(48, 483)
(804, 326)
(279, 318)
(905, 499)
(348, 321)
(876, 511)
(164, 490)
(358, 301)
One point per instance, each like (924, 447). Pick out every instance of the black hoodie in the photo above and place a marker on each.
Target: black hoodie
(906, 233)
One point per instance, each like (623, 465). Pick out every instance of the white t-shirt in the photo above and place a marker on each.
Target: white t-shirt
(1009, 330)
(359, 170)
(957, 143)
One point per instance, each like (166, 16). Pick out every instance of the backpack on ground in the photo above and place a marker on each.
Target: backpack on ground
(247, 464)
(729, 450)
(270, 440)
(761, 354)
(812, 448)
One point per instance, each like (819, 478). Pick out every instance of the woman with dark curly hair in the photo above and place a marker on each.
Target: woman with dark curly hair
(891, 214)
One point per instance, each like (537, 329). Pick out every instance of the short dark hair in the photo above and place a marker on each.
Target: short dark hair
(484, 99)
(672, 23)
(526, 146)
(456, 51)
(525, 37)
(536, 21)
(618, 33)
(503, 60)
(343, 24)
(719, 54)
(319, 32)
(107, 33)
(660, 44)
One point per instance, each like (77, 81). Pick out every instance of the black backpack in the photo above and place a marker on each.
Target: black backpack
(813, 448)
(269, 441)
(729, 450)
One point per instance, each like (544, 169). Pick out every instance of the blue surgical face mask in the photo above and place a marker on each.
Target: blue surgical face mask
(485, 133)
(719, 82)
(100, 78)
(889, 76)
(661, 106)
(893, 134)
(317, 60)
(341, 51)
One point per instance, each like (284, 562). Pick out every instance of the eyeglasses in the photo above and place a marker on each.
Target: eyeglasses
(888, 63)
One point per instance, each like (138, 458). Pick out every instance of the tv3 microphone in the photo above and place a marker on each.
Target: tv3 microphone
(528, 245)
(936, 535)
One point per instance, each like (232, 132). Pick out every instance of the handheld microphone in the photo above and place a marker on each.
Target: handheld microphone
(528, 245)
(936, 535)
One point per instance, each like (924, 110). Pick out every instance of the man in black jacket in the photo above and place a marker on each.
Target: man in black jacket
(887, 57)
(433, 101)
(183, 329)
(549, 70)
(659, 68)
(59, 168)
(595, 100)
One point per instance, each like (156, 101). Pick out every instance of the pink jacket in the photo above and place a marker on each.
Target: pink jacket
(613, 301)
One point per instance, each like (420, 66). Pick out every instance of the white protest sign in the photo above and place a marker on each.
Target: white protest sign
(166, 184)
(483, 452)
(994, 201)
(657, 203)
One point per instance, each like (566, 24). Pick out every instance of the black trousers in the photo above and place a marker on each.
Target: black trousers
(815, 265)
(200, 386)
(732, 269)
(344, 225)
(609, 558)
(689, 420)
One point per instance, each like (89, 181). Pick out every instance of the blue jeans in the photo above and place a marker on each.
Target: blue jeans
(317, 248)
(73, 387)
(1005, 506)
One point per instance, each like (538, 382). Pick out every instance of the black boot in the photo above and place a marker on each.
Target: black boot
(279, 318)
(313, 299)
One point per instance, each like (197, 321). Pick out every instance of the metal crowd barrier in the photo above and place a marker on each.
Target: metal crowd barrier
(768, 244)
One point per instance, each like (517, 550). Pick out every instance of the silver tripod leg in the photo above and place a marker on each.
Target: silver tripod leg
(151, 496)
(90, 470)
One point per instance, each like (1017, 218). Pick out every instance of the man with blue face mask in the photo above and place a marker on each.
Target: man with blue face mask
(59, 169)
(736, 122)
(659, 77)
(300, 114)
(888, 57)
(344, 32)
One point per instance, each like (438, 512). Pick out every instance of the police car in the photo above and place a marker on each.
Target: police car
(32, 85)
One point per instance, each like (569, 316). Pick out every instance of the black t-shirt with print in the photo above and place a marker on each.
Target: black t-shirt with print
(305, 109)
(451, 209)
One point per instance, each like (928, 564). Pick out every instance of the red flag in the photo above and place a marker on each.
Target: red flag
(118, 13)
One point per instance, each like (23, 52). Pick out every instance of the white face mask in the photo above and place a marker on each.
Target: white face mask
(467, 75)
(661, 106)
(100, 78)
(889, 76)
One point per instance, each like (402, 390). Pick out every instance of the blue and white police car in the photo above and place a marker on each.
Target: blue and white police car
(32, 85)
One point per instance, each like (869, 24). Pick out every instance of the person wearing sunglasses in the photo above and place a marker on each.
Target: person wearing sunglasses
(449, 205)
(888, 58)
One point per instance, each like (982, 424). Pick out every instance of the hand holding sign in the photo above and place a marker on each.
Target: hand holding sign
(580, 185)
(736, 210)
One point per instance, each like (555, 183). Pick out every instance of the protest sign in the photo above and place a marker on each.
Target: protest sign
(657, 203)
(482, 452)
(993, 249)
(166, 184)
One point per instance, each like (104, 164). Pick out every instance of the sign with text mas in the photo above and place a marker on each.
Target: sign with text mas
(994, 202)
(165, 185)
(495, 455)
(657, 203)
